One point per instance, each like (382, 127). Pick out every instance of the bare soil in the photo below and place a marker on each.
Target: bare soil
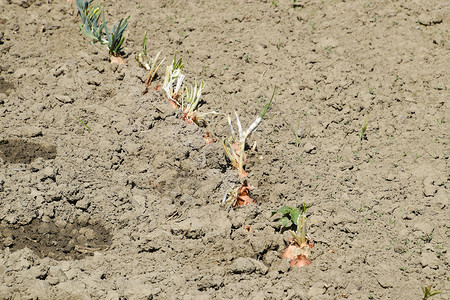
(129, 206)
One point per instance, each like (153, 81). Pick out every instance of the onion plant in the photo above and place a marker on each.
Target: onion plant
(239, 196)
(115, 38)
(189, 104)
(363, 130)
(427, 292)
(234, 146)
(191, 98)
(90, 16)
(151, 65)
(299, 250)
(173, 81)
(294, 217)
(294, 131)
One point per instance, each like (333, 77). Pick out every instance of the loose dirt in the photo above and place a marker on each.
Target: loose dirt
(131, 209)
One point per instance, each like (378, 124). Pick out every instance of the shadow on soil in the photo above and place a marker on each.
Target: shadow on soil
(6, 87)
(57, 240)
(20, 151)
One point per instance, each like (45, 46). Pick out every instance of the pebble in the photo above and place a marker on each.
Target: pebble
(60, 223)
(428, 188)
(429, 259)
(309, 148)
(385, 281)
(154, 241)
(390, 177)
(242, 265)
(345, 166)
(64, 99)
(83, 204)
(259, 295)
(20, 73)
(428, 19)
(131, 148)
(282, 266)
(39, 272)
(189, 228)
(316, 290)
(425, 228)
(47, 172)
(31, 131)
(248, 265)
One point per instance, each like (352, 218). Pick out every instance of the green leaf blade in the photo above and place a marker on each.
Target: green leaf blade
(285, 222)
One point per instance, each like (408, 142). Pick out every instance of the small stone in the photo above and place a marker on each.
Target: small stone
(399, 250)
(138, 202)
(425, 228)
(8, 241)
(282, 267)
(48, 172)
(271, 258)
(428, 188)
(52, 280)
(45, 218)
(242, 265)
(19, 264)
(429, 259)
(37, 164)
(20, 73)
(259, 295)
(31, 131)
(428, 19)
(189, 228)
(64, 99)
(136, 289)
(385, 281)
(10, 218)
(49, 211)
(237, 221)
(39, 272)
(345, 166)
(60, 223)
(60, 70)
(76, 289)
(446, 257)
(210, 282)
(83, 204)
(316, 290)
(248, 265)
(131, 148)
(261, 268)
(327, 43)
(88, 232)
(154, 241)
(112, 295)
(390, 177)
(309, 148)
(84, 218)
(55, 275)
